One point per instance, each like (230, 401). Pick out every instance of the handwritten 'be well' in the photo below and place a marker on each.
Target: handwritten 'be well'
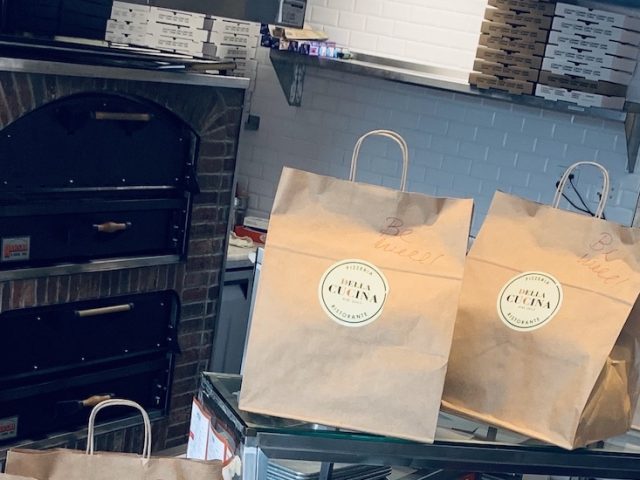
(396, 239)
(600, 260)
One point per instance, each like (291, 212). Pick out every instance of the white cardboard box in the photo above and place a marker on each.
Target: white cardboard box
(126, 27)
(592, 58)
(580, 98)
(598, 32)
(575, 12)
(233, 39)
(568, 41)
(128, 39)
(128, 12)
(180, 45)
(230, 51)
(176, 17)
(176, 31)
(226, 25)
(585, 71)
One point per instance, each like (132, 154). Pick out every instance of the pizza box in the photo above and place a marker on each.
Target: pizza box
(531, 6)
(506, 58)
(580, 98)
(130, 28)
(126, 38)
(586, 71)
(176, 31)
(595, 58)
(591, 15)
(128, 12)
(504, 43)
(176, 17)
(517, 87)
(598, 32)
(233, 52)
(514, 18)
(514, 31)
(574, 41)
(173, 44)
(233, 39)
(226, 25)
(582, 84)
(505, 71)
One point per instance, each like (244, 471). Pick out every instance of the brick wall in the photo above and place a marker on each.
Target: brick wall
(461, 145)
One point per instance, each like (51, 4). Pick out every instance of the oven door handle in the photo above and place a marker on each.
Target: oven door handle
(94, 312)
(111, 227)
(122, 116)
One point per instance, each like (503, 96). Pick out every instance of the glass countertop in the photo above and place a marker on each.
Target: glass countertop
(451, 429)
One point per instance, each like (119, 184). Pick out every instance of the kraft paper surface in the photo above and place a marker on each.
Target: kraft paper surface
(384, 375)
(556, 357)
(63, 464)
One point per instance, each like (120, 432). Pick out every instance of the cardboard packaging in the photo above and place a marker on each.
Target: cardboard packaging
(582, 84)
(586, 71)
(499, 70)
(128, 12)
(503, 43)
(129, 28)
(601, 17)
(176, 17)
(597, 32)
(568, 41)
(514, 18)
(580, 98)
(515, 32)
(528, 6)
(233, 39)
(176, 31)
(507, 58)
(593, 59)
(225, 25)
(516, 87)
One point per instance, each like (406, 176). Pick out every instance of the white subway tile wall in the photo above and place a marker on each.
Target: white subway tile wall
(424, 31)
(460, 145)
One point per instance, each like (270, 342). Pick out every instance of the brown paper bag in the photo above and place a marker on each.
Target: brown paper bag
(546, 343)
(63, 464)
(354, 311)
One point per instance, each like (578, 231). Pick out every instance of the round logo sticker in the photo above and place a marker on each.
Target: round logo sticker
(353, 292)
(529, 300)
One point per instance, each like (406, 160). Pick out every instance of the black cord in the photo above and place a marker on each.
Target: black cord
(573, 185)
(586, 208)
(575, 206)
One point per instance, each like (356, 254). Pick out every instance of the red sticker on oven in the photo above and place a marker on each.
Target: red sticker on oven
(8, 428)
(15, 249)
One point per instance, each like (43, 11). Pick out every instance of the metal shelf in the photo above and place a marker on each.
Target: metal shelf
(265, 437)
(291, 70)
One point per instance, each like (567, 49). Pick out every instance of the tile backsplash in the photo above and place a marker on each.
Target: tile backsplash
(437, 32)
(460, 145)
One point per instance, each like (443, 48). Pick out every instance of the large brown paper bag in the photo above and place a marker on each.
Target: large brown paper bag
(546, 342)
(63, 464)
(354, 312)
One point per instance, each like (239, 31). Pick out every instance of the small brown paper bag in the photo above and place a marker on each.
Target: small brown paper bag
(63, 464)
(354, 313)
(546, 341)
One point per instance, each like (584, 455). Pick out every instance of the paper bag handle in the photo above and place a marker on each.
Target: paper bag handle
(388, 134)
(146, 449)
(605, 186)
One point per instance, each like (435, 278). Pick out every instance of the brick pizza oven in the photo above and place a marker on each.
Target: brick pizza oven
(212, 108)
